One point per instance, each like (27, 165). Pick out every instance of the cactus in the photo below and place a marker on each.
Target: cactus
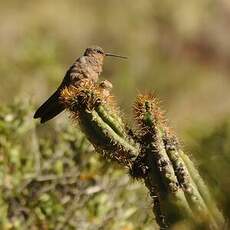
(178, 174)
(152, 153)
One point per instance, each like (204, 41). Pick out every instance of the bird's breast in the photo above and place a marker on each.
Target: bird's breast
(84, 68)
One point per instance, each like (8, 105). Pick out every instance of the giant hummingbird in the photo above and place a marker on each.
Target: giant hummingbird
(88, 66)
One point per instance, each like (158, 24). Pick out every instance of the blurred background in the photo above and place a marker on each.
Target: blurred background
(178, 50)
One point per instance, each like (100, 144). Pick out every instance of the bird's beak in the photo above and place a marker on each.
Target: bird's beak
(114, 55)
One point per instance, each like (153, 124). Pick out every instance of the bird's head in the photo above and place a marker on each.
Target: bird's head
(98, 53)
(94, 51)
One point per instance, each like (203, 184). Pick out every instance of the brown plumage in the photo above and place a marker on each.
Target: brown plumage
(88, 66)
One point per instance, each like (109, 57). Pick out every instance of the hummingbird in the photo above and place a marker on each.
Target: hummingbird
(88, 66)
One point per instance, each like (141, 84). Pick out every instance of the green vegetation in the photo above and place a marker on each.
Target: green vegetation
(58, 182)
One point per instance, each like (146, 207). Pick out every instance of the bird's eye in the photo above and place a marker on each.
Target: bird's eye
(99, 51)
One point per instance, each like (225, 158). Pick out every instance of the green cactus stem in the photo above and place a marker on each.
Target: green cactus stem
(172, 196)
(190, 188)
(112, 119)
(178, 170)
(203, 190)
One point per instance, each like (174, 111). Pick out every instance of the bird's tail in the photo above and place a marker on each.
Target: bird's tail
(49, 108)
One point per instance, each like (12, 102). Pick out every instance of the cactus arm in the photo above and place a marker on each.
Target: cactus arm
(203, 190)
(105, 138)
(111, 119)
(190, 188)
(172, 196)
